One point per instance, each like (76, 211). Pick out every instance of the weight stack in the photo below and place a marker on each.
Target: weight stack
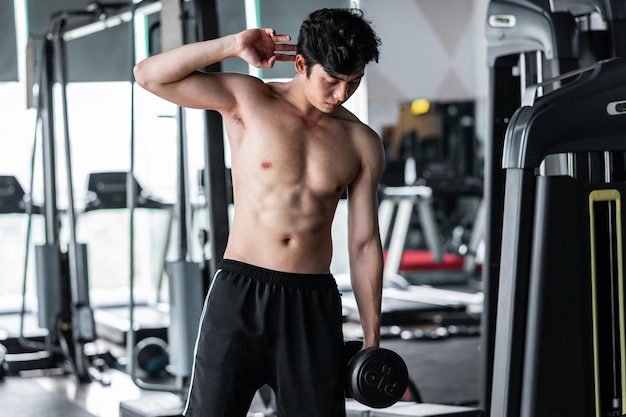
(185, 311)
(560, 341)
(48, 261)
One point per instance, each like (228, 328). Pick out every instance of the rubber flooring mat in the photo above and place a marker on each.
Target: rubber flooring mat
(21, 397)
(445, 371)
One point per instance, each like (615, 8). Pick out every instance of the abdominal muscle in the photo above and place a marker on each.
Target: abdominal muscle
(284, 229)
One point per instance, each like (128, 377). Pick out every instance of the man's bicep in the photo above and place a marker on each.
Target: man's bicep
(362, 212)
(208, 91)
(363, 195)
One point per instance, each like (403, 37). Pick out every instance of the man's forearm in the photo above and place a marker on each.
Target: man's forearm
(366, 272)
(177, 63)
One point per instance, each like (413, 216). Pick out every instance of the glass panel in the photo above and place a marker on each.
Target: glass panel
(8, 45)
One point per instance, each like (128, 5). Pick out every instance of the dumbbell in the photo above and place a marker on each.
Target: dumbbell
(375, 376)
(152, 355)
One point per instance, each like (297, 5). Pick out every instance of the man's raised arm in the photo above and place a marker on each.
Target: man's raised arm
(174, 76)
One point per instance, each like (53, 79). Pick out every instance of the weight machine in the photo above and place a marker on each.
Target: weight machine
(64, 306)
(62, 273)
(560, 330)
(526, 43)
(540, 229)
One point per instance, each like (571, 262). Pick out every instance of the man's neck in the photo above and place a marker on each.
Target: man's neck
(294, 94)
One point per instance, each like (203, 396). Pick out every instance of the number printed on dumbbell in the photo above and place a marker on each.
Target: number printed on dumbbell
(386, 369)
(378, 380)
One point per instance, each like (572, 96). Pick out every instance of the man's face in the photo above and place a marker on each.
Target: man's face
(328, 92)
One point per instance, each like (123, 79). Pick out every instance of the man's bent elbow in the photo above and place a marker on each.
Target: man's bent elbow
(139, 72)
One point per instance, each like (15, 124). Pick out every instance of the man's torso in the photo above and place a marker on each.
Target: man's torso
(288, 175)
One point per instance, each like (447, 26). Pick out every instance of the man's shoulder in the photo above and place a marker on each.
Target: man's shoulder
(363, 136)
(355, 124)
(245, 80)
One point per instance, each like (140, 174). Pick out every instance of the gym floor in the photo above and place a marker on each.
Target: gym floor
(445, 370)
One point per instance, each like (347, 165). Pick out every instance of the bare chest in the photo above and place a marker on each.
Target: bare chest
(286, 152)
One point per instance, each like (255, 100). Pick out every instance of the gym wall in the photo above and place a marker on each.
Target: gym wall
(431, 49)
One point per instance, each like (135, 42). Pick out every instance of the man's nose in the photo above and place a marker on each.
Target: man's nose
(341, 92)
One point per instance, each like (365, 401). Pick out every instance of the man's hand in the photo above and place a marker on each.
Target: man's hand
(259, 47)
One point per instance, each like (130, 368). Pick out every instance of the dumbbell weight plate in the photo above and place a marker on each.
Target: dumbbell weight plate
(152, 355)
(351, 348)
(377, 377)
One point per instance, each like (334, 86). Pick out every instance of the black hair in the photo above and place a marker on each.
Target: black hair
(340, 40)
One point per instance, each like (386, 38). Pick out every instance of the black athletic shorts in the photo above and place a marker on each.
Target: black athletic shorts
(259, 327)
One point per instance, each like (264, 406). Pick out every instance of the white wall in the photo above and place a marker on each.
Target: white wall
(433, 49)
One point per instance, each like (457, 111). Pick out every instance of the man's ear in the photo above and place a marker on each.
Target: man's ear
(300, 64)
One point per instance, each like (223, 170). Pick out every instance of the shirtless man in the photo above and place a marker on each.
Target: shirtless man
(273, 312)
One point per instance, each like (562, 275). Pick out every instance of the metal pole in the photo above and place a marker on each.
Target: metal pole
(215, 171)
(49, 157)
